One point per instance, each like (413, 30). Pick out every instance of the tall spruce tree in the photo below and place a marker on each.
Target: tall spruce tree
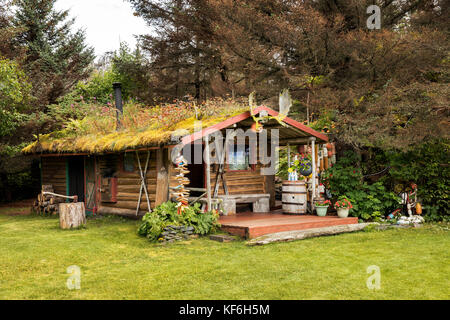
(56, 56)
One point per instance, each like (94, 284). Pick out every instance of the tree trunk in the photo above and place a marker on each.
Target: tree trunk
(71, 215)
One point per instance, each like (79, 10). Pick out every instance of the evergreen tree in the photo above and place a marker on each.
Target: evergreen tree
(56, 57)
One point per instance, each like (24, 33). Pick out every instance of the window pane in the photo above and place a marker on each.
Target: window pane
(128, 162)
(238, 158)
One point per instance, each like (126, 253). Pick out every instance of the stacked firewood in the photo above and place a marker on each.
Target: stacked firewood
(47, 202)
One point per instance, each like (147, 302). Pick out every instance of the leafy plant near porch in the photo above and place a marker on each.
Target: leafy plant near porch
(345, 179)
(370, 202)
(153, 223)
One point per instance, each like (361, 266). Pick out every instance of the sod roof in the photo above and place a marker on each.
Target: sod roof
(140, 127)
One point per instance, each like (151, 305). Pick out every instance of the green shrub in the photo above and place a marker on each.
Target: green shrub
(345, 178)
(371, 202)
(153, 223)
(427, 166)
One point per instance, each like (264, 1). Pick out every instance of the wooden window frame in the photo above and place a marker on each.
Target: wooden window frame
(122, 163)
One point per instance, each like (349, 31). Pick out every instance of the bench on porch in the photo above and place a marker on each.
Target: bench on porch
(227, 203)
(260, 201)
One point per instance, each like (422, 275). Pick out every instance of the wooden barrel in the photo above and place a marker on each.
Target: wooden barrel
(294, 197)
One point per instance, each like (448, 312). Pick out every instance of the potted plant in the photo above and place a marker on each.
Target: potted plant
(322, 207)
(343, 206)
(302, 165)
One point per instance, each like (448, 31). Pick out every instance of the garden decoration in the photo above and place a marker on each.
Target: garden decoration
(322, 207)
(343, 207)
(410, 220)
(180, 192)
(409, 201)
(284, 103)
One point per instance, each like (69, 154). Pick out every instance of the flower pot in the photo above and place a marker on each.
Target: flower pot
(321, 211)
(306, 172)
(343, 212)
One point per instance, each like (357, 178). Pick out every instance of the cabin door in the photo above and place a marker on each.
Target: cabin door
(75, 174)
(196, 173)
(91, 186)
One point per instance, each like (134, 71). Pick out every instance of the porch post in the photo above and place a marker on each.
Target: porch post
(208, 171)
(313, 163)
(162, 176)
(289, 155)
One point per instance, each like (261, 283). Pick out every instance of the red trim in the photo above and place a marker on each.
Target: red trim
(114, 189)
(225, 124)
(219, 126)
(295, 124)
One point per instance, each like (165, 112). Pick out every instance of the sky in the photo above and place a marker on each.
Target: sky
(107, 22)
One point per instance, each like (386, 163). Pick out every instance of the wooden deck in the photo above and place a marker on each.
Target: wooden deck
(252, 225)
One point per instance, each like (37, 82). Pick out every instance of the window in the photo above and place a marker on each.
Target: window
(239, 158)
(128, 162)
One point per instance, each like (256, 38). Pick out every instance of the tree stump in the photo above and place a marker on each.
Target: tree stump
(71, 215)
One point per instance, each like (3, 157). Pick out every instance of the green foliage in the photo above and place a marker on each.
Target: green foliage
(125, 67)
(344, 176)
(283, 166)
(98, 89)
(14, 96)
(371, 202)
(427, 166)
(153, 223)
(344, 179)
(325, 122)
(56, 54)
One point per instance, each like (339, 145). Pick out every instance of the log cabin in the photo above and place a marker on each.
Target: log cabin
(128, 171)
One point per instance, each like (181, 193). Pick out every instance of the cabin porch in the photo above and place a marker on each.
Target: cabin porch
(251, 225)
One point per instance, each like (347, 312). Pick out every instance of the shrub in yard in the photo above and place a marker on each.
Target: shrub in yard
(427, 166)
(345, 179)
(154, 223)
(371, 202)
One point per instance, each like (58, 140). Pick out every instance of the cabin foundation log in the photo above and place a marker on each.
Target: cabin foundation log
(103, 210)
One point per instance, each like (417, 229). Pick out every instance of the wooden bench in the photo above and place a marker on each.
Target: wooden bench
(227, 203)
(260, 201)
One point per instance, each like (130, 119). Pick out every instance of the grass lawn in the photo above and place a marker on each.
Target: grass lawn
(117, 264)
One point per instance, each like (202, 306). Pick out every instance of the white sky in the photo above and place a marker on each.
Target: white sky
(107, 22)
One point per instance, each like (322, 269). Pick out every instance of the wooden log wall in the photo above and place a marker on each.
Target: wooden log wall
(54, 173)
(128, 183)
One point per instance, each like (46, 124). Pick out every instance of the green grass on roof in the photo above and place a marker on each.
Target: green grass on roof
(140, 126)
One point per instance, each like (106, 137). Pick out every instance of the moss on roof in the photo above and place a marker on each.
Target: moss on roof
(140, 127)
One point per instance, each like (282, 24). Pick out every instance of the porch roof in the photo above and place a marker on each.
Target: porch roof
(292, 131)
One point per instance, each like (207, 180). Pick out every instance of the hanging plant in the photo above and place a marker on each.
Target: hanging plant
(303, 165)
